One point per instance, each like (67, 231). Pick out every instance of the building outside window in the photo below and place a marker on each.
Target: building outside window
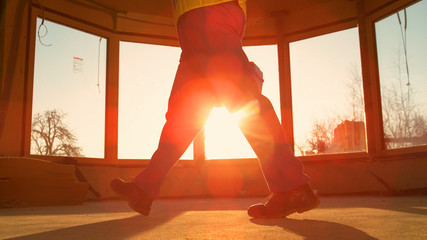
(327, 94)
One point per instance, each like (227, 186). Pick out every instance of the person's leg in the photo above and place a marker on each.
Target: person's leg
(229, 73)
(190, 104)
(261, 127)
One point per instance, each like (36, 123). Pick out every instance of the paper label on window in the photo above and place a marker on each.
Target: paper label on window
(77, 65)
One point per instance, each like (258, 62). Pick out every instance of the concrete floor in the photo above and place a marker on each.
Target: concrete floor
(355, 217)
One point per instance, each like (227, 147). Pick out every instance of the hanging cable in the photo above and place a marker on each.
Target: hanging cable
(403, 30)
(39, 35)
(99, 65)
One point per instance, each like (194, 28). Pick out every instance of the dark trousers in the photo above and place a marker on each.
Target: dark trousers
(214, 70)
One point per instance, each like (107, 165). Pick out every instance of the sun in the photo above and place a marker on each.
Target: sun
(223, 138)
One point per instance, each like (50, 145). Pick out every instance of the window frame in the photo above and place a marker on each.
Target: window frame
(62, 19)
(288, 121)
(365, 20)
(375, 16)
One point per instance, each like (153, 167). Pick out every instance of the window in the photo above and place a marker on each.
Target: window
(146, 75)
(223, 136)
(402, 61)
(69, 92)
(327, 94)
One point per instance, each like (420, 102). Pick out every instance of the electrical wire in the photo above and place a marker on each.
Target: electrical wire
(403, 30)
(40, 36)
(99, 59)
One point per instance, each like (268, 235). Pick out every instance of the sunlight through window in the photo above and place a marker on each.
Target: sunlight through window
(146, 75)
(224, 140)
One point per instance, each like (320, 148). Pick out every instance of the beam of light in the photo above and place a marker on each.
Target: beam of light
(250, 109)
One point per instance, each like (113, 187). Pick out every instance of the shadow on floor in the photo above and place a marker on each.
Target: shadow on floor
(128, 228)
(115, 220)
(316, 229)
(108, 230)
(404, 204)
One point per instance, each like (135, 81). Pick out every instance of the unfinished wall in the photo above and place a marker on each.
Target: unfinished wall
(227, 179)
(13, 78)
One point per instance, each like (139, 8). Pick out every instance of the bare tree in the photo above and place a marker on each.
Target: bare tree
(51, 136)
(321, 138)
(355, 97)
(403, 124)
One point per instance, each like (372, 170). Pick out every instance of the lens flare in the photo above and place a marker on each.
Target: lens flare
(250, 109)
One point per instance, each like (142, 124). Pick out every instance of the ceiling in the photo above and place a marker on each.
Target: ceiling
(257, 8)
(261, 24)
(266, 18)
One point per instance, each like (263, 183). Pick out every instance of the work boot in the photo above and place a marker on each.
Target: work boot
(137, 199)
(280, 205)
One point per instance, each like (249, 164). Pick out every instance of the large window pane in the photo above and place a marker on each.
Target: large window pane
(223, 137)
(327, 94)
(402, 61)
(146, 76)
(69, 92)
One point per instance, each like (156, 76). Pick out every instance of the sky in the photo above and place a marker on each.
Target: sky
(70, 67)
(59, 85)
(389, 35)
(320, 73)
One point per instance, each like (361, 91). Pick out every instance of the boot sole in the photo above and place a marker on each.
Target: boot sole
(313, 204)
(306, 208)
(143, 211)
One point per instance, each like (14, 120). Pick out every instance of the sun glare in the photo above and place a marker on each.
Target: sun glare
(224, 138)
(249, 109)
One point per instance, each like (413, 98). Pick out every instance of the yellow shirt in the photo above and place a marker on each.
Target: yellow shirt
(182, 6)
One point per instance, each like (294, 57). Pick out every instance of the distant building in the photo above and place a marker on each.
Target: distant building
(349, 136)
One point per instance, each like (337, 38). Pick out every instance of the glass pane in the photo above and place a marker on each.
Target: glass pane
(223, 137)
(402, 61)
(327, 94)
(69, 92)
(146, 77)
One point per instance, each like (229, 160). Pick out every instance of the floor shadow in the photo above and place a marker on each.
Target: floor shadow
(316, 229)
(123, 228)
(406, 204)
(116, 206)
(107, 230)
